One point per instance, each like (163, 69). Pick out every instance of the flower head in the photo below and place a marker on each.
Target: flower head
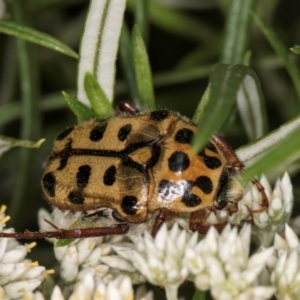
(18, 275)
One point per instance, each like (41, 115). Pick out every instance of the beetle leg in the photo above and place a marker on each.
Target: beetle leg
(198, 222)
(160, 219)
(68, 233)
(265, 200)
(228, 152)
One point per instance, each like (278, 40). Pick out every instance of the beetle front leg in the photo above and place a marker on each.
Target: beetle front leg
(159, 220)
(198, 222)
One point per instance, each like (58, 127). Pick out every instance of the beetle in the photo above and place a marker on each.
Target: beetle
(140, 168)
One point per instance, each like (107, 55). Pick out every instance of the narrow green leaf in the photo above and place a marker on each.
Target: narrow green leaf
(251, 106)
(142, 70)
(237, 31)
(281, 51)
(7, 143)
(126, 59)
(225, 81)
(80, 110)
(31, 35)
(99, 46)
(249, 152)
(63, 242)
(181, 76)
(277, 155)
(97, 97)
(202, 105)
(177, 22)
(142, 18)
(296, 49)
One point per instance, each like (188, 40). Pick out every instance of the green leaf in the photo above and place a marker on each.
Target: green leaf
(97, 97)
(202, 105)
(225, 81)
(80, 110)
(7, 143)
(296, 49)
(126, 59)
(284, 150)
(142, 18)
(237, 31)
(281, 51)
(63, 242)
(251, 106)
(142, 70)
(99, 46)
(178, 23)
(249, 152)
(31, 35)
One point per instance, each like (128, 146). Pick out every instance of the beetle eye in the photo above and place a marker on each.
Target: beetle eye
(221, 204)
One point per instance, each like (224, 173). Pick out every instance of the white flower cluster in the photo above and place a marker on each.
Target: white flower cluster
(284, 265)
(117, 289)
(18, 275)
(221, 263)
(106, 267)
(269, 221)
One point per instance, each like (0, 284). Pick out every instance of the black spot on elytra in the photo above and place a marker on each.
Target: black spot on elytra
(184, 136)
(129, 205)
(210, 161)
(65, 133)
(211, 147)
(158, 115)
(110, 176)
(76, 198)
(191, 200)
(63, 163)
(49, 184)
(178, 161)
(205, 184)
(83, 176)
(97, 132)
(124, 131)
(155, 151)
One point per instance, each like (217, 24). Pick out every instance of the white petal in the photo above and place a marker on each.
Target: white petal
(69, 264)
(125, 287)
(280, 266)
(161, 237)
(112, 292)
(280, 243)
(34, 272)
(209, 243)
(116, 262)
(291, 265)
(202, 282)
(3, 245)
(124, 250)
(84, 248)
(6, 269)
(17, 289)
(15, 255)
(59, 252)
(57, 294)
(291, 237)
